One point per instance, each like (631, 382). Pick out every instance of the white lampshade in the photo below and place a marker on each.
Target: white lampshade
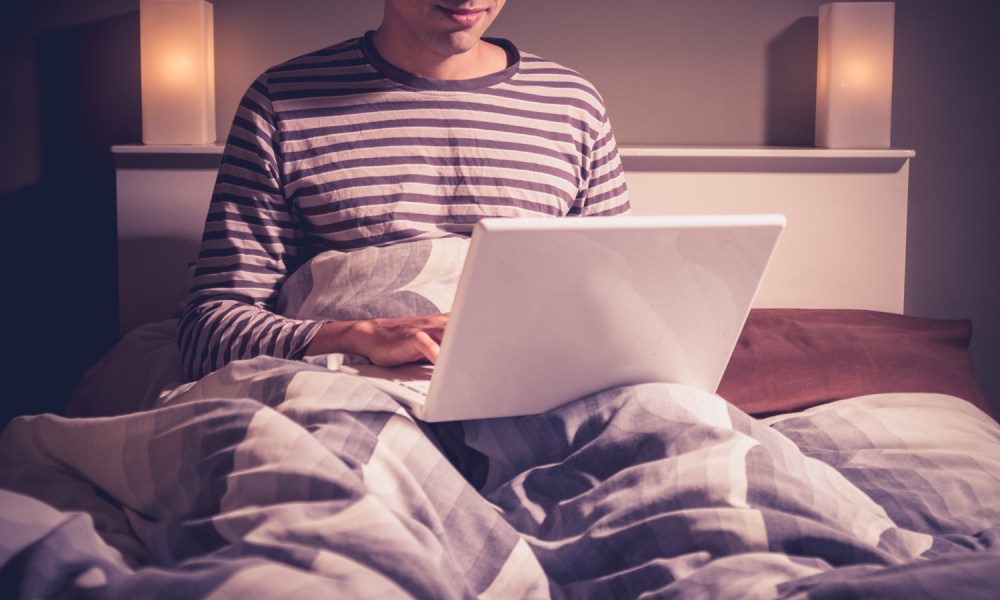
(854, 75)
(178, 71)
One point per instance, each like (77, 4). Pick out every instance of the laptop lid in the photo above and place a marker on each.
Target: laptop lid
(550, 310)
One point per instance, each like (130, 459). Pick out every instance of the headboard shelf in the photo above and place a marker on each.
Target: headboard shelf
(845, 244)
(762, 159)
(168, 148)
(162, 196)
(763, 152)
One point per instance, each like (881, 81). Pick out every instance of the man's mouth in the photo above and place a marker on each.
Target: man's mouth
(463, 17)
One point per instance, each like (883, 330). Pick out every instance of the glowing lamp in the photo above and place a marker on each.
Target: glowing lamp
(178, 71)
(854, 75)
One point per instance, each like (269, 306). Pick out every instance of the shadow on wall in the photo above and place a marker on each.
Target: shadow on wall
(164, 281)
(791, 85)
(60, 232)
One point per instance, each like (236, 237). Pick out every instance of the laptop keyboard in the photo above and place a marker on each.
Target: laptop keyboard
(421, 386)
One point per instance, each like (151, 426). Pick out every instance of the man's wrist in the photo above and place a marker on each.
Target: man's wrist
(338, 336)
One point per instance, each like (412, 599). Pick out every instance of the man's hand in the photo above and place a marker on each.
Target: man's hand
(385, 342)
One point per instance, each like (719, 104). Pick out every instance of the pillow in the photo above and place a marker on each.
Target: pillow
(406, 279)
(791, 359)
(132, 375)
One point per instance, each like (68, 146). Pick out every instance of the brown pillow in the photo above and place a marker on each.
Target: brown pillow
(791, 359)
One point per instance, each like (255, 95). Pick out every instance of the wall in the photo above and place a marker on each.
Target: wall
(676, 72)
(71, 75)
(946, 107)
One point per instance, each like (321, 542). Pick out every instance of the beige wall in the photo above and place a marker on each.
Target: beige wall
(673, 72)
(677, 72)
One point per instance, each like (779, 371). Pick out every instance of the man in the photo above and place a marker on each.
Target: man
(416, 130)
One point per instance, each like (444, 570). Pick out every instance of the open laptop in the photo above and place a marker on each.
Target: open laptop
(550, 310)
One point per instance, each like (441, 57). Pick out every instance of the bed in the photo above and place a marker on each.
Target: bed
(849, 452)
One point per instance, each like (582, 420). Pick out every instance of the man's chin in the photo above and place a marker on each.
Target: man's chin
(458, 43)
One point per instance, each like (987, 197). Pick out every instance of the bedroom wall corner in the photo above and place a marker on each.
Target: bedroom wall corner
(945, 107)
(74, 73)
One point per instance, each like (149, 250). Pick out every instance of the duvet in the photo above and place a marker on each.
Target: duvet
(274, 478)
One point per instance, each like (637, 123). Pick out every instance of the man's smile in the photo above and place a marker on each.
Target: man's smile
(463, 17)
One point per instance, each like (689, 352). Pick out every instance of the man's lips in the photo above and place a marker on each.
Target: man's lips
(465, 18)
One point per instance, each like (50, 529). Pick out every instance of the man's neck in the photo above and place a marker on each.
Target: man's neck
(482, 59)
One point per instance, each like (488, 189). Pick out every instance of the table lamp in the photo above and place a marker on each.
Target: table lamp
(178, 71)
(854, 75)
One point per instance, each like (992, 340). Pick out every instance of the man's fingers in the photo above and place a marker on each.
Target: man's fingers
(394, 341)
(435, 326)
(427, 346)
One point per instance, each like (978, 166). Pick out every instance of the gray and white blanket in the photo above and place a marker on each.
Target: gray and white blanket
(284, 479)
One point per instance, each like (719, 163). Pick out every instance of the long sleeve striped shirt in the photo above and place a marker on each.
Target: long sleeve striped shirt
(339, 150)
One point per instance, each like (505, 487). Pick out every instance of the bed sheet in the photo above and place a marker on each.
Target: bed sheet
(275, 479)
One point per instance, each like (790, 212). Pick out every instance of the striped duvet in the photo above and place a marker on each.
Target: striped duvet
(275, 479)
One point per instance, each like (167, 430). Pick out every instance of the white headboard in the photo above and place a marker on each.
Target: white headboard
(845, 243)
(844, 246)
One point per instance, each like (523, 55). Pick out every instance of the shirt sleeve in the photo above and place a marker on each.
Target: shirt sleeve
(605, 192)
(251, 243)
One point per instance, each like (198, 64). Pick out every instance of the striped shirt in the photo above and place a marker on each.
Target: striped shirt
(339, 150)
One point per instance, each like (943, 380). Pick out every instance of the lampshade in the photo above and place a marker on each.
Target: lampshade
(854, 75)
(178, 71)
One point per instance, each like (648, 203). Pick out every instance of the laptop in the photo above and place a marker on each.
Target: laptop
(550, 310)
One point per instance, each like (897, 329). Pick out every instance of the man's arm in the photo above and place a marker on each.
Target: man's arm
(605, 192)
(252, 242)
